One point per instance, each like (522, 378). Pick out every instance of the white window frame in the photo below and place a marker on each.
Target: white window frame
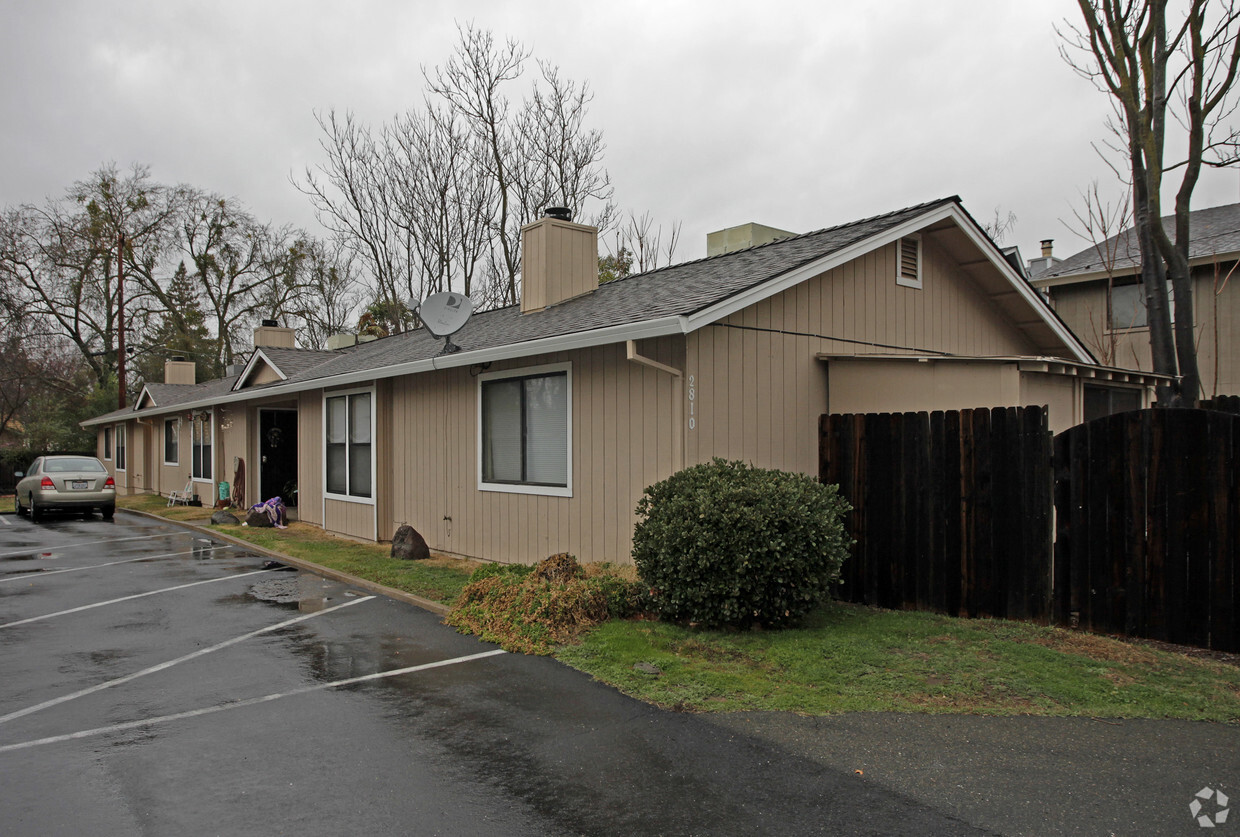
(519, 488)
(374, 476)
(210, 424)
(901, 280)
(107, 443)
(119, 443)
(177, 432)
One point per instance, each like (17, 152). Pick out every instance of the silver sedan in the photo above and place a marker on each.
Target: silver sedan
(68, 483)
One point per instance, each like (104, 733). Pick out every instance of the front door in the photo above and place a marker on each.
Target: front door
(277, 455)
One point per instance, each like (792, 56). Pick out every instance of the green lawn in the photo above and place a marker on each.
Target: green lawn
(439, 579)
(844, 658)
(852, 658)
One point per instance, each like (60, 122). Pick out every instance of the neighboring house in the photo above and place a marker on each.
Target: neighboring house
(540, 434)
(1098, 293)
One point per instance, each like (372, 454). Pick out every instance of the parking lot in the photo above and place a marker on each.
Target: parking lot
(158, 682)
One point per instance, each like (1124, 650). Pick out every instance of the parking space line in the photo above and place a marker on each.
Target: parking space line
(170, 663)
(129, 598)
(28, 549)
(27, 576)
(194, 713)
(4, 518)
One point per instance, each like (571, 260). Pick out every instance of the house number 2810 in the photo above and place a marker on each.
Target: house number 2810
(692, 402)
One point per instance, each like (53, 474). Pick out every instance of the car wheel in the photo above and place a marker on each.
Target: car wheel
(35, 514)
(108, 512)
(18, 508)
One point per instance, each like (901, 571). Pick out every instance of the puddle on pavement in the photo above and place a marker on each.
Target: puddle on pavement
(295, 591)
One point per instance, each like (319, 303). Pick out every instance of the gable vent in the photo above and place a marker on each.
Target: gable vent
(908, 272)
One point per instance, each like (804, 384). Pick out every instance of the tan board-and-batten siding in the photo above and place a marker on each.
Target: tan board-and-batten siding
(759, 388)
(622, 441)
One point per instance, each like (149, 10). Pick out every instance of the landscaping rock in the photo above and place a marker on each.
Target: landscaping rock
(408, 545)
(257, 518)
(223, 518)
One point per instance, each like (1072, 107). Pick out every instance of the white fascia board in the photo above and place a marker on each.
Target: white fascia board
(249, 367)
(951, 211)
(146, 393)
(798, 275)
(580, 340)
(1022, 287)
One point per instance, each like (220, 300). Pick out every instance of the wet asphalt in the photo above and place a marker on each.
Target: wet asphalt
(154, 681)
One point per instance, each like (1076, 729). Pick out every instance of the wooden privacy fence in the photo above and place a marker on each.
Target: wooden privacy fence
(1148, 526)
(951, 510)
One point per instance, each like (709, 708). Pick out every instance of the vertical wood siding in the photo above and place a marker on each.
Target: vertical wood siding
(310, 457)
(622, 431)
(759, 393)
(1084, 308)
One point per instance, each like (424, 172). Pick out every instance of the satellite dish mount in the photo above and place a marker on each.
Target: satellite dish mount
(443, 315)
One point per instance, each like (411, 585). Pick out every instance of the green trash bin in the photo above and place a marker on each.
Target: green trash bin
(224, 495)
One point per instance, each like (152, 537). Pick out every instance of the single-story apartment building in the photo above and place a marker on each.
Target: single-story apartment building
(540, 433)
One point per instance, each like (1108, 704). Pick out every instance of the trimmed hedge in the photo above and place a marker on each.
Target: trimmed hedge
(728, 544)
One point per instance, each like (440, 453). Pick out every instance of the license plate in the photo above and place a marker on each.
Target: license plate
(79, 485)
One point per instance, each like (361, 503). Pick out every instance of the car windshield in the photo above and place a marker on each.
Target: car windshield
(65, 466)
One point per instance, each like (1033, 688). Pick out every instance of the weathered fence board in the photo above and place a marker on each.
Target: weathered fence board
(1148, 511)
(951, 511)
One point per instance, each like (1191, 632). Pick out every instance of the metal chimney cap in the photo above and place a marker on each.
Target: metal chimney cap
(271, 324)
(177, 358)
(560, 213)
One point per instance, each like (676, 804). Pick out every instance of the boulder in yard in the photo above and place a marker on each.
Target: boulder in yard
(224, 518)
(409, 545)
(257, 518)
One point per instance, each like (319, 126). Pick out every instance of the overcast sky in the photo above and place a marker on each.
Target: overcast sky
(799, 115)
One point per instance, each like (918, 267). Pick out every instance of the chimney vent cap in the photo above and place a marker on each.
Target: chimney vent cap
(271, 324)
(177, 358)
(560, 213)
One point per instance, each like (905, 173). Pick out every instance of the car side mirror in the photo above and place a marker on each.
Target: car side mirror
(18, 474)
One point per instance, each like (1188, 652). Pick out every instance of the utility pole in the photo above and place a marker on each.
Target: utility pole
(120, 320)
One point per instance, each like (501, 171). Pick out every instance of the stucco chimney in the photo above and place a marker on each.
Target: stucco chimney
(1047, 245)
(178, 370)
(271, 334)
(559, 260)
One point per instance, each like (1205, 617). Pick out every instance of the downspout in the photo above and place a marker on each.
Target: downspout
(678, 395)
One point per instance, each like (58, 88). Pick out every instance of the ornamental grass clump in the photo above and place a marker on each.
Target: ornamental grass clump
(532, 609)
(727, 544)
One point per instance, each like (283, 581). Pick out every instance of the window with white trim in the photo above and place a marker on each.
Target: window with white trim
(201, 447)
(107, 443)
(172, 441)
(120, 447)
(1128, 307)
(524, 430)
(349, 448)
(908, 261)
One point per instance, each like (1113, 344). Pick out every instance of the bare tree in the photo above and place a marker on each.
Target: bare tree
(331, 291)
(355, 198)
(1154, 72)
(1104, 224)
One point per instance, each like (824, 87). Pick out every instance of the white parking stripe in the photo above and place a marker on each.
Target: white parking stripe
(194, 713)
(27, 576)
(170, 663)
(30, 549)
(4, 518)
(128, 598)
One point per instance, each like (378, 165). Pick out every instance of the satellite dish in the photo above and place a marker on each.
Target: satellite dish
(444, 314)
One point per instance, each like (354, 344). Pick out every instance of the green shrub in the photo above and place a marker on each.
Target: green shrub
(725, 543)
(533, 609)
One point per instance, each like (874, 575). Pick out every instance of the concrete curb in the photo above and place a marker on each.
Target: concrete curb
(302, 564)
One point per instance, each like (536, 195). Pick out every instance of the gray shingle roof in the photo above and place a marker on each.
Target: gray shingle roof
(1213, 231)
(678, 290)
(675, 291)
